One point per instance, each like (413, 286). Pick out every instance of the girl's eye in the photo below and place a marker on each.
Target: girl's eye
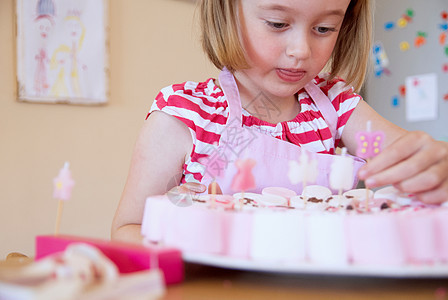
(276, 25)
(324, 30)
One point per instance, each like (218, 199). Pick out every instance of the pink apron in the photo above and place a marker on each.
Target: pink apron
(272, 155)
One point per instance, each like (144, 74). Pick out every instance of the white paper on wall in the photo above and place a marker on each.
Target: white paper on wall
(421, 97)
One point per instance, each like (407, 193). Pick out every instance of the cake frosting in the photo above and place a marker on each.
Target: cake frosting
(319, 228)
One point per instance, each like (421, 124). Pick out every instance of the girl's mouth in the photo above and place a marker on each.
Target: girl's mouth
(291, 75)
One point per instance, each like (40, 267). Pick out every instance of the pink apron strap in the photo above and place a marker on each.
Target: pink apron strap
(323, 103)
(230, 89)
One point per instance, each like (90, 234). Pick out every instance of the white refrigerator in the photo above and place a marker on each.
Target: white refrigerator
(408, 82)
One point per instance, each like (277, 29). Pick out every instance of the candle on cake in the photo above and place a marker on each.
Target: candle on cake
(369, 145)
(304, 171)
(244, 179)
(63, 185)
(341, 175)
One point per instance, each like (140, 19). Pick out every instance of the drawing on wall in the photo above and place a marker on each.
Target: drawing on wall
(62, 54)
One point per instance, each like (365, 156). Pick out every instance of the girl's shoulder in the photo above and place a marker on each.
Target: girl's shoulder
(200, 105)
(190, 95)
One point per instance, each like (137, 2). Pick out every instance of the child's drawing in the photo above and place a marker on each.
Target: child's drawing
(62, 53)
(44, 22)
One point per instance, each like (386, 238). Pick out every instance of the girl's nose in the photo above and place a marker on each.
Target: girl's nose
(298, 46)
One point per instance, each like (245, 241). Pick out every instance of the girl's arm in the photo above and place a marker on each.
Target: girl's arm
(413, 162)
(162, 147)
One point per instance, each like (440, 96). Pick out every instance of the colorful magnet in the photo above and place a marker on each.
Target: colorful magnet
(445, 97)
(395, 101)
(420, 40)
(442, 38)
(402, 22)
(410, 13)
(445, 68)
(446, 50)
(444, 15)
(404, 46)
(443, 26)
(416, 82)
(402, 90)
(389, 26)
(380, 59)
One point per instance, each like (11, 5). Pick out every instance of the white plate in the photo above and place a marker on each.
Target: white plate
(407, 271)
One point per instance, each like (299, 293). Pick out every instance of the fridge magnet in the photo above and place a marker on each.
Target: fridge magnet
(421, 97)
(402, 23)
(445, 68)
(409, 14)
(420, 40)
(395, 101)
(402, 90)
(389, 26)
(406, 18)
(442, 38)
(445, 97)
(404, 46)
(381, 62)
(62, 52)
(444, 15)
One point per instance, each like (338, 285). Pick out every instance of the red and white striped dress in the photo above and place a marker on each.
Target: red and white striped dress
(203, 107)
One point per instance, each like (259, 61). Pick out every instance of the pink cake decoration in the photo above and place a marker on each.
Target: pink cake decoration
(369, 143)
(63, 185)
(341, 175)
(304, 171)
(244, 179)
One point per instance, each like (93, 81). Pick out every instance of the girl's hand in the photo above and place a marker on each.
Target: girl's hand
(415, 163)
(193, 188)
(188, 188)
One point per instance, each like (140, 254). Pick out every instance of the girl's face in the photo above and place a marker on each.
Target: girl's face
(74, 29)
(44, 26)
(287, 42)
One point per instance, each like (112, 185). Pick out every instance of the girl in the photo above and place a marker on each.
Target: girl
(270, 102)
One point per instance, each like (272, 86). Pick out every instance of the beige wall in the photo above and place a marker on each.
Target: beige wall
(152, 44)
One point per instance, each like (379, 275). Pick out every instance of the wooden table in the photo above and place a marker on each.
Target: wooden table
(203, 282)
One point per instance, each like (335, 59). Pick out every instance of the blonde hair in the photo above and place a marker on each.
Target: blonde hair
(54, 58)
(83, 29)
(350, 57)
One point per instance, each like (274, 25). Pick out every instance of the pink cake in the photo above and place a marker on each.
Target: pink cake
(286, 228)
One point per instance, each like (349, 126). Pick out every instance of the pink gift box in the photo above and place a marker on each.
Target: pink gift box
(126, 256)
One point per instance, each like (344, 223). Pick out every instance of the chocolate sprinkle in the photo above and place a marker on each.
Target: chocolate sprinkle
(249, 201)
(200, 201)
(349, 207)
(385, 206)
(284, 206)
(315, 200)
